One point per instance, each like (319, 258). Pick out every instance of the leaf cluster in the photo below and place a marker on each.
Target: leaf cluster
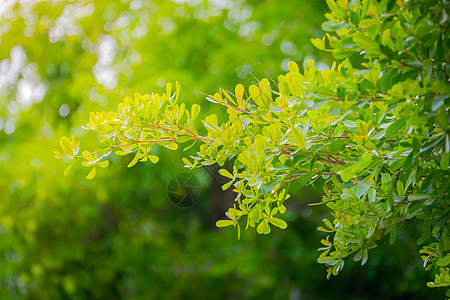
(377, 132)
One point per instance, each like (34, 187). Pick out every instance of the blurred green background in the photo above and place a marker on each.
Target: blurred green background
(118, 236)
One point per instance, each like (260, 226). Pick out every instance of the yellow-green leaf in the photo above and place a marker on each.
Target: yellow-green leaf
(255, 93)
(244, 158)
(278, 222)
(67, 170)
(386, 36)
(153, 158)
(225, 173)
(318, 43)
(444, 160)
(66, 145)
(187, 162)
(320, 228)
(298, 138)
(103, 164)
(171, 146)
(119, 152)
(195, 110)
(328, 224)
(224, 223)
(168, 88)
(58, 154)
(293, 67)
(87, 155)
(227, 185)
(211, 120)
(134, 161)
(239, 91)
(74, 142)
(91, 174)
(263, 227)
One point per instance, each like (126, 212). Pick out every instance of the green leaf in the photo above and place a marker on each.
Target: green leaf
(304, 179)
(278, 222)
(444, 161)
(268, 187)
(225, 173)
(395, 127)
(227, 185)
(361, 188)
(385, 82)
(365, 256)
(332, 5)
(438, 102)
(425, 235)
(443, 262)
(386, 36)
(393, 235)
(366, 23)
(331, 26)
(409, 161)
(370, 45)
(418, 197)
(372, 195)
(351, 171)
(347, 174)
(263, 227)
(334, 111)
(400, 187)
(358, 255)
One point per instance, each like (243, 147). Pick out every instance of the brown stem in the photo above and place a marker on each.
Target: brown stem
(161, 126)
(334, 162)
(412, 201)
(189, 132)
(145, 141)
(399, 221)
(329, 138)
(229, 106)
(354, 100)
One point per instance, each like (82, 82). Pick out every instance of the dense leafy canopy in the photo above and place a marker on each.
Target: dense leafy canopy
(377, 131)
(63, 237)
(118, 236)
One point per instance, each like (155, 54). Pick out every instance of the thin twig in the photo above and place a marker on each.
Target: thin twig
(144, 141)
(399, 221)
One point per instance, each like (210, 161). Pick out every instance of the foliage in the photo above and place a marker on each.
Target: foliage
(119, 236)
(376, 131)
